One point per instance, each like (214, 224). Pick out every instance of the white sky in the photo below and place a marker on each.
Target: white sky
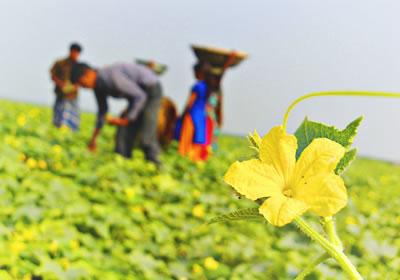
(295, 47)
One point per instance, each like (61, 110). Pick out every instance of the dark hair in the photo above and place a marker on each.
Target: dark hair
(77, 71)
(75, 47)
(201, 67)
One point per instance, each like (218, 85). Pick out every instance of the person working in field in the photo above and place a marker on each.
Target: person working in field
(141, 88)
(66, 110)
(195, 132)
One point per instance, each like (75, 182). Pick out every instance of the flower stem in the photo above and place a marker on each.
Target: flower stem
(312, 265)
(330, 230)
(338, 93)
(333, 250)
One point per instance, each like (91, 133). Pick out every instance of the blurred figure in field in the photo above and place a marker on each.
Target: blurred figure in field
(167, 116)
(66, 109)
(141, 88)
(195, 133)
(214, 107)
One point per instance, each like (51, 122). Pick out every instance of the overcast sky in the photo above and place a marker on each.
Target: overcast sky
(295, 47)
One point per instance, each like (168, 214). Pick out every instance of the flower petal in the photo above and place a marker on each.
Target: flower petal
(325, 194)
(279, 150)
(320, 157)
(253, 179)
(280, 210)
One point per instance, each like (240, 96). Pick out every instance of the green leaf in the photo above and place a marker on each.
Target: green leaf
(348, 157)
(243, 214)
(309, 130)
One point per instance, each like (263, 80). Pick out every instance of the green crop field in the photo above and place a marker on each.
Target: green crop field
(67, 213)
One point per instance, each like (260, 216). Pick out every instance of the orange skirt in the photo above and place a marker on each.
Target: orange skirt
(186, 147)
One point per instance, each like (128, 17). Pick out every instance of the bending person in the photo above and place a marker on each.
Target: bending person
(141, 88)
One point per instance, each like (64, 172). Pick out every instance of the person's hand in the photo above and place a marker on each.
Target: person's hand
(117, 121)
(68, 88)
(92, 146)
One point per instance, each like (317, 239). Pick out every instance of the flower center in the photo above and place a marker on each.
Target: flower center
(287, 192)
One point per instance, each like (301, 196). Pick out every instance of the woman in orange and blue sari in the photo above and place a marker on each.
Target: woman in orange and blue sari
(196, 129)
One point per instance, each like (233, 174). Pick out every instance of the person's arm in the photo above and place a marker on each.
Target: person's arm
(190, 102)
(219, 111)
(102, 111)
(53, 72)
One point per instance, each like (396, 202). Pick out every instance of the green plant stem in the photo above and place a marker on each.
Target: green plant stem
(333, 250)
(312, 265)
(330, 230)
(338, 93)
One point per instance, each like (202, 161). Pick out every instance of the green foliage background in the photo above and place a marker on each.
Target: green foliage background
(76, 220)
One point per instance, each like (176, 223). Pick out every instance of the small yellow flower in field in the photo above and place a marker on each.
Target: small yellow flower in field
(31, 163)
(53, 247)
(42, 164)
(74, 244)
(57, 149)
(351, 221)
(210, 263)
(14, 271)
(10, 140)
(28, 235)
(291, 187)
(198, 211)
(22, 157)
(137, 209)
(374, 210)
(200, 164)
(384, 179)
(64, 129)
(27, 277)
(21, 120)
(58, 166)
(17, 246)
(129, 192)
(371, 195)
(196, 193)
(65, 263)
(197, 269)
(398, 219)
(34, 113)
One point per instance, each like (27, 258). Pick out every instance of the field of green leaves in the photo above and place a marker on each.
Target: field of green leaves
(67, 213)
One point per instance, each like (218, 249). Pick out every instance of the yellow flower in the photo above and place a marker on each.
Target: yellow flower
(74, 244)
(210, 263)
(58, 166)
(17, 246)
(57, 149)
(31, 162)
(291, 187)
(42, 164)
(64, 129)
(129, 192)
(22, 157)
(197, 269)
(65, 263)
(21, 120)
(27, 277)
(28, 235)
(351, 221)
(198, 211)
(53, 247)
(196, 193)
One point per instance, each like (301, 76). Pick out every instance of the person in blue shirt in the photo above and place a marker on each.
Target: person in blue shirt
(194, 137)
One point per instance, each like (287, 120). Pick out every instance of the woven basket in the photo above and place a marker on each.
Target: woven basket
(217, 57)
(156, 67)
